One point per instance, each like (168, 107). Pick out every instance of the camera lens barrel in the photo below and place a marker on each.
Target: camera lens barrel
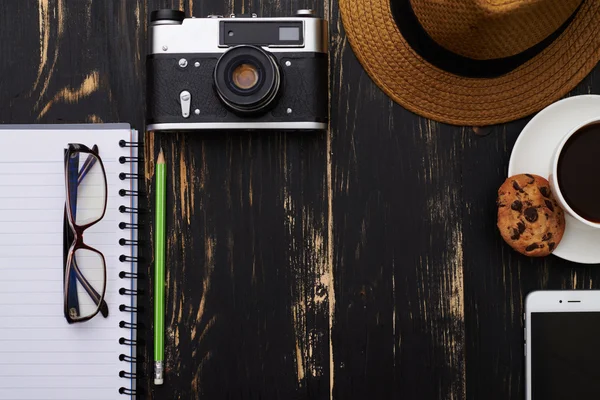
(247, 79)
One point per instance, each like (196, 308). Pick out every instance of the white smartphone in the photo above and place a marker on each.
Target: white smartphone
(562, 345)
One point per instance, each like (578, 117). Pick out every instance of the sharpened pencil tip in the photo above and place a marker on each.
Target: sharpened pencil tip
(161, 157)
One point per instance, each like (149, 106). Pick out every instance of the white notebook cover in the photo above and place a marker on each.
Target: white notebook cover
(41, 355)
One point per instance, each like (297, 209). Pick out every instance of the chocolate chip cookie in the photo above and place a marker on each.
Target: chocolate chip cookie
(529, 218)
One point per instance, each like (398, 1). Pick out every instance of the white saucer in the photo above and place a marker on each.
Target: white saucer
(533, 153)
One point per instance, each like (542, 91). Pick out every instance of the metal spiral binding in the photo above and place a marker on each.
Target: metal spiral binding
(124, 160)
(124, 308)
(125, 225)
(129, 359)
(128, 392)
(125, 258)
(124, 143)
(127, 342)
(128, 275)
(126, 175)
(128, 193)
(130, 309)
(128, 325)
(127, 375)
(129, 210)
(128, 292)
(128, 242)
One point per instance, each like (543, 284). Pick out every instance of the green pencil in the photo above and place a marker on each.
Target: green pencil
(159, 269)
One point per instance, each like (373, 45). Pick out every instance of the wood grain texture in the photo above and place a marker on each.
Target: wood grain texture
(360, 264)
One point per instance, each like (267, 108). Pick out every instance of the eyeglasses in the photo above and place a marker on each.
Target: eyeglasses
(85, 267)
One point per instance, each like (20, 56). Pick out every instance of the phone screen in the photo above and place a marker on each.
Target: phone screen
(565, 355)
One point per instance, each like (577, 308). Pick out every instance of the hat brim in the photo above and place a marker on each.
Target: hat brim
(433, 93)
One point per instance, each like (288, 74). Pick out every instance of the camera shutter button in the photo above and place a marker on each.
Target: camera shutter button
(305, 13)
(185, 98)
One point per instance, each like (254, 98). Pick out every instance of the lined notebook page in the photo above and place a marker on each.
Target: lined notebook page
(41, 355)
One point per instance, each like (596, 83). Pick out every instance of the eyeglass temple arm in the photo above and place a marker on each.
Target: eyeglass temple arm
(85, 168)
(87, 165)
(73, 166)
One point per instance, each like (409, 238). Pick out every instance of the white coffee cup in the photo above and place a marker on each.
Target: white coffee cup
(553, 178)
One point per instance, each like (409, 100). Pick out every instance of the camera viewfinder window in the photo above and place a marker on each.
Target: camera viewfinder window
(261, 33)
(287, 33)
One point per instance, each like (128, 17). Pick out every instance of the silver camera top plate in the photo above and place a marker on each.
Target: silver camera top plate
(202, 35)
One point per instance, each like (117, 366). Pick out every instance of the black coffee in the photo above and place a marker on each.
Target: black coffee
(579, 172)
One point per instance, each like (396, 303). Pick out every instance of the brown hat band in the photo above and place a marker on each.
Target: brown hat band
(439, 56)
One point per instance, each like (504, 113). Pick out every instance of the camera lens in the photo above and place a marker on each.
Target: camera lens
(245, 76)
(247, 79)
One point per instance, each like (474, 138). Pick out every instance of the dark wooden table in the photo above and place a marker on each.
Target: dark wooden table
(359, 264)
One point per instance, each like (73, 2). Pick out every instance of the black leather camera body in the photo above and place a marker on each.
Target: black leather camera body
(240, 72)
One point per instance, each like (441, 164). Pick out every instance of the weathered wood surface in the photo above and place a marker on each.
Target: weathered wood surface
(360, 264)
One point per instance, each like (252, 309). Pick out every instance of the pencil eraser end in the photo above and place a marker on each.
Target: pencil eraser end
(158, 381)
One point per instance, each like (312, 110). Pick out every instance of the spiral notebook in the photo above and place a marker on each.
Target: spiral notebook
(41, 355)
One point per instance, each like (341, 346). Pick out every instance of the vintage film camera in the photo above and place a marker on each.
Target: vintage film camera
(239, 72)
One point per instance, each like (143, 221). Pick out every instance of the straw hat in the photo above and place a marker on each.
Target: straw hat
(474, 62)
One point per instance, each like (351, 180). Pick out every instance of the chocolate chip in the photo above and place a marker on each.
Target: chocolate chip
(531, 214)
(547, 236)
(530, 176)
(551, 245)
(517, 187)
(545, 191)
(516, 205)
(521, 227)
(549, 205)
(516, 235)
(531, 247)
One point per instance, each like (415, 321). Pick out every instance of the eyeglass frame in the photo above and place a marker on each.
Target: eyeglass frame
(68, 237)
(78, 231)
